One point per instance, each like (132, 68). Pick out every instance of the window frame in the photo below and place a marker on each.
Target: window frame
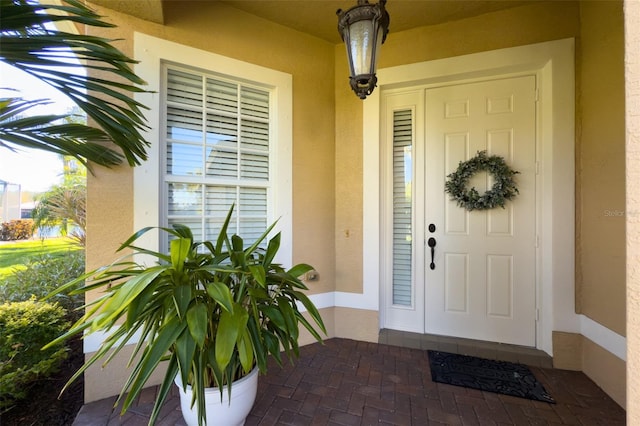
(148, 204)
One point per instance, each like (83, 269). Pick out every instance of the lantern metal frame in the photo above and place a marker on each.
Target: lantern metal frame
(363, 84)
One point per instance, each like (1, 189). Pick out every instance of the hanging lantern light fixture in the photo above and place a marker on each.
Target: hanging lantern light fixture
(363, 28)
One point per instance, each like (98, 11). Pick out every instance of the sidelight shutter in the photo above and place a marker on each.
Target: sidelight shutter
(402, 207)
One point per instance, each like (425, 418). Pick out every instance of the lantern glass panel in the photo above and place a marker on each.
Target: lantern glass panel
(361, 38)
(379, 36)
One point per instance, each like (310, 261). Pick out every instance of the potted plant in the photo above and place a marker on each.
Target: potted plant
(215, 311)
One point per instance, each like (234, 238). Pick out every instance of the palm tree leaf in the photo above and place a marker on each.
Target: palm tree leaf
(20, 14)
(30, 45)
(46, 132)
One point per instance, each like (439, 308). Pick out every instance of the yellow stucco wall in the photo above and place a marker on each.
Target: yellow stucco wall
(359, 321)
(508, 28)
(605, 369)
(600, 192)
(348, 169)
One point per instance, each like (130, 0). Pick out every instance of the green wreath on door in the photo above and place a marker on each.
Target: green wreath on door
(503, 189)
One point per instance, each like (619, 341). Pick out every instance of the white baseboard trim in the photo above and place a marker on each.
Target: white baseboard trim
(602, 336)
(342, 300)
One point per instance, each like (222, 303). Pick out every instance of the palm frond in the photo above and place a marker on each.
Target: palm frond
(53, 56)
(48, 133)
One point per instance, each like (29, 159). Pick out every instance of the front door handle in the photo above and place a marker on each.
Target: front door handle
(431, 242)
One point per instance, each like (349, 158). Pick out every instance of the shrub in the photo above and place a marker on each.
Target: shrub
(16, 230)
(25, 327)
(43, 275)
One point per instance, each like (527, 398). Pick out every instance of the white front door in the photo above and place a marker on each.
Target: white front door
(482, 284)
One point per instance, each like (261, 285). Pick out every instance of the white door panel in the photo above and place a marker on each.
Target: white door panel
(483, 285)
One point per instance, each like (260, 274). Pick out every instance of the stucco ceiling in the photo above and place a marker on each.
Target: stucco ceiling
(318, 17)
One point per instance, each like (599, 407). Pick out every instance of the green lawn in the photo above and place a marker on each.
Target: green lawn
(15, 254)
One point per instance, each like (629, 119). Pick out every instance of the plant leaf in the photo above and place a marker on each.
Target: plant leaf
(197, 322)
(222, 236)
(311, 309)
(179, 251)
(259, 274)
(273, 345)
(151, 357)
(122, 296)
(165, 388)
(272, 249)
(245, 351)
(289, 316)
(299, 270)
(45, 52)
(185, 349)
(275, 316)
(182, 298)
(221, 294)
(229, 329)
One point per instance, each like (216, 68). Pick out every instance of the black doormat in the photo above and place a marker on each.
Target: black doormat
(492, 376)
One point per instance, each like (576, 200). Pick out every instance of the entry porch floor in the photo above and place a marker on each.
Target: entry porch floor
(347, 382)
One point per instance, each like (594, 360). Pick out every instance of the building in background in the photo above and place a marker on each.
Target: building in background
(10, 201)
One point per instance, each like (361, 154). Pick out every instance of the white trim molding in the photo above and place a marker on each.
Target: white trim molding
(603, 337)
(151, 52)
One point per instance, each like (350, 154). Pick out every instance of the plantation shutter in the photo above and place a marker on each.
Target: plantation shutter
(402, 207)
(217, 153)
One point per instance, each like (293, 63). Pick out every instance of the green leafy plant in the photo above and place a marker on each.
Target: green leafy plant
(214, 310)
(25, 327)
(43, 274)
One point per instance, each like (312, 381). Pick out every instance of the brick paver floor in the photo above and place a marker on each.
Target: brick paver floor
(347, 382)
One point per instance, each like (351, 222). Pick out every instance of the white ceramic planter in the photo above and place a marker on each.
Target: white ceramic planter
(221, 412)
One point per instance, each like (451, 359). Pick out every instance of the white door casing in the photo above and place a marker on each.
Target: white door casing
(552, 64)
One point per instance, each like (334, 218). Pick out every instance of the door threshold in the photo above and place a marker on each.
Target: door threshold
(490, 350)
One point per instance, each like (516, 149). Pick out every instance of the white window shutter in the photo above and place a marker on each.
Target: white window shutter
(402, 207)
(217, 150)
